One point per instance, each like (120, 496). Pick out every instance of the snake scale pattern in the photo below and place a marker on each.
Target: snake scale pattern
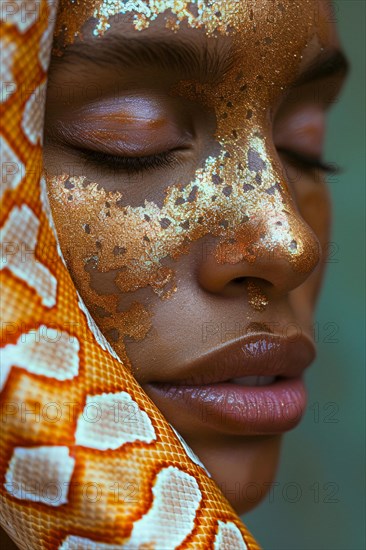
(87, 460)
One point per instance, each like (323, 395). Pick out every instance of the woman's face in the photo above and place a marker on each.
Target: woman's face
(183, 150)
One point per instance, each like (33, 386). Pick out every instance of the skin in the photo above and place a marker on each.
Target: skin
(207, 283)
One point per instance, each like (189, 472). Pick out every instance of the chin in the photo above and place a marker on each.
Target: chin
(243, 468)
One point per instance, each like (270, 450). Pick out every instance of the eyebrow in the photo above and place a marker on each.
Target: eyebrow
(187, 57)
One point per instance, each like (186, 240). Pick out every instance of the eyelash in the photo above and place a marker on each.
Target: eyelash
(310, 163)
(133, 165)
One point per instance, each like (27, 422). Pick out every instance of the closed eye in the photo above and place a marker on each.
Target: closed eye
(308, 162)
(132, 165)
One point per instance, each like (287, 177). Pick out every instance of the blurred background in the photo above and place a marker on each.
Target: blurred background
(318, 502)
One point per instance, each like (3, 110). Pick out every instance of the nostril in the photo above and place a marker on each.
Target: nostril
(254, 288)
(239, 280)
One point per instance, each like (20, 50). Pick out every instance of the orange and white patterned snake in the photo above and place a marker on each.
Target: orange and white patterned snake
(87, 460)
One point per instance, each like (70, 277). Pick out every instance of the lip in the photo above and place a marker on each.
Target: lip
(204, 394)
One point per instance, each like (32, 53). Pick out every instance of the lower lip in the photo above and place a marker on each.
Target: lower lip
(233, 409)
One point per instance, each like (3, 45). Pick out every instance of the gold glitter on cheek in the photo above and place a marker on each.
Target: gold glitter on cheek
(80, 222)
(256, 298)
(134, 323)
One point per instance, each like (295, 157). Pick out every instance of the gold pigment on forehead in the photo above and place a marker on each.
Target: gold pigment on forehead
(239, 196)
(214, 17)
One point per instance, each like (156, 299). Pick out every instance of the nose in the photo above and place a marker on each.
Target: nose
(271, 242)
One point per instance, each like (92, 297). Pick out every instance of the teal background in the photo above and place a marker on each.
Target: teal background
(319, 501)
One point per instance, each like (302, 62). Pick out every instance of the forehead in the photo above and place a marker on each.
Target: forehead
(269, 41)
(289, 21)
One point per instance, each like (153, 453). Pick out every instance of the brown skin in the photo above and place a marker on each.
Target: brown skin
(207, 291)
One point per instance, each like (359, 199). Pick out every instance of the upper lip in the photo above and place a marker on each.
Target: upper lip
(255, 354)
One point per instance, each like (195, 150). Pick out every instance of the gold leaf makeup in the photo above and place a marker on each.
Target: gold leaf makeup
(239, 196)
(217, 16)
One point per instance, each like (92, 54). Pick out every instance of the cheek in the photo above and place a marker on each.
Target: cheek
(100, 247)
(311, 195)
(314, 205)
(315, 209)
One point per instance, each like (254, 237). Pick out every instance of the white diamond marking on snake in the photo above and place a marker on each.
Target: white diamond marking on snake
(171, 518)
(12, 169)
(8, 85)
(20, 233)
(80, 543)
(32, 121)
(45, 351)
(40, 474)
(22, 14)
(228, 537)
(110, 420)
(47, 37)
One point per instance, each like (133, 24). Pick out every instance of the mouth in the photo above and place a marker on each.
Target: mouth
(253, 380)
(253, 386)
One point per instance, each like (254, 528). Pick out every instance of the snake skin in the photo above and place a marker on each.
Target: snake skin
(87, 460)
